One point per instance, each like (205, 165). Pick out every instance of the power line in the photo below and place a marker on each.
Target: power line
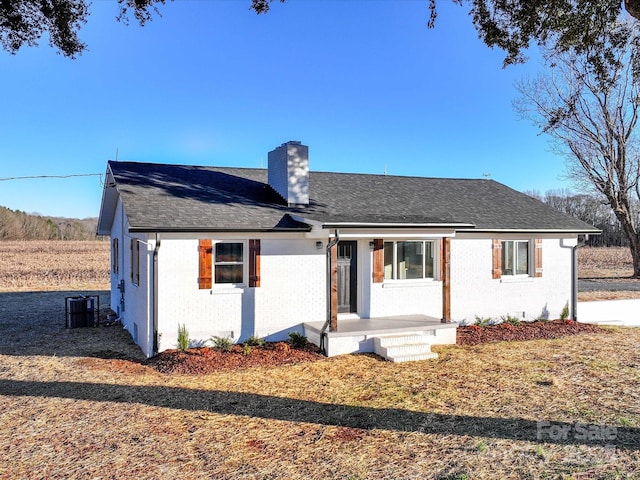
(52, 176)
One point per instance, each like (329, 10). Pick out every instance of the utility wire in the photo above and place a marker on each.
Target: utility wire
(53, 176)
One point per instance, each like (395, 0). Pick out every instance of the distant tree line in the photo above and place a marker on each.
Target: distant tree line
(17, 225)
(589, 209)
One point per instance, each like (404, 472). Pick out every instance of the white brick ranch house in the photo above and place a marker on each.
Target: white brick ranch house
(342, 258)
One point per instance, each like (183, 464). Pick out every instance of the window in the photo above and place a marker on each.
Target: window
(229, 262)
(115, 255)
(135, 261)
(224, 263)
(408, 260)
(515, 257)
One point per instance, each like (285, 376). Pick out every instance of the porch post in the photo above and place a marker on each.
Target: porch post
(445, 276)
(333, 324)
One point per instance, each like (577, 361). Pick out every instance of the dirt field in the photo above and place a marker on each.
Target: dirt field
(53, 265)
(604, 274)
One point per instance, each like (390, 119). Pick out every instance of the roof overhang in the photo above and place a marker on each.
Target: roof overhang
(396, 225)
(533, 231)
(108, 205)
(150, 229)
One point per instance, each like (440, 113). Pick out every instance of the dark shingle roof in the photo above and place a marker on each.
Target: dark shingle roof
(159, 197)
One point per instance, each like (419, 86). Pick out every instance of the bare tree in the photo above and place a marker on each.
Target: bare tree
(591, 115)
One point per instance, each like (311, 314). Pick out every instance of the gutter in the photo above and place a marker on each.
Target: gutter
(155, 294)
(323, 334)
(574, 276)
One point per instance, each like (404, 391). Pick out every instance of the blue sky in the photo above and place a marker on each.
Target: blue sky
(364, 83)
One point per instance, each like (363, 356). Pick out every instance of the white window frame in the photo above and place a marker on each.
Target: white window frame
(435, 261)
(530, 255)
(244, 263)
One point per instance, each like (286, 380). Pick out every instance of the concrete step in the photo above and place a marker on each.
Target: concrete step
(390, 340)
(403, 348)
(413, 358)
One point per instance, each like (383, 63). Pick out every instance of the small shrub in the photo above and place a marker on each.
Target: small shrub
(541, 453)
(222, 343)
(183, 338)
(482, 322)
(297, 340)
(510, 319)
(564, 314)
(627, 422)
(481, 446)
(246, 349)
(254, 341)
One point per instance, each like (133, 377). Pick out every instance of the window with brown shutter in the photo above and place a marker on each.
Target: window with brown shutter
(513, 257)
(205, 264)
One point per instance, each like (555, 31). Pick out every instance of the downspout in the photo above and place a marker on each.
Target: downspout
(574, 276)
(332, 243)
(155, 294)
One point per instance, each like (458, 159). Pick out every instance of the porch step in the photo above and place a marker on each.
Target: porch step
(403, 348)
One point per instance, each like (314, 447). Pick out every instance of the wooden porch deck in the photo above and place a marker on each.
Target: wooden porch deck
(355, 335)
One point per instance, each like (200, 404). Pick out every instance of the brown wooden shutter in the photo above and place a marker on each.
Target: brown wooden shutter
(497, 258)
(137, 257)
(254, 263)
(131, 255)
(378, 260)
(206, 262)
(116, 256)
(537, 255)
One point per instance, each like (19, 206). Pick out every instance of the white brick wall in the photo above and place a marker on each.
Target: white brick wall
(292, 291)
(474, 292)
(406, 298)
(135, 312)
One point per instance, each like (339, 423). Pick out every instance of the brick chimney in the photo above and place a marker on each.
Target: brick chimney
(289, 172)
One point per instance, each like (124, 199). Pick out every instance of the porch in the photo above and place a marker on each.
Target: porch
(356, 335)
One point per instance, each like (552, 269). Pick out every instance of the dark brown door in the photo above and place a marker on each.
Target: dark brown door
(347, 277)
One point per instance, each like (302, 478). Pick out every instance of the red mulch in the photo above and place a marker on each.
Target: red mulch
(197, 361)
(473, 334)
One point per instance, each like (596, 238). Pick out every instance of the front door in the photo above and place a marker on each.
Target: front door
(347, 277)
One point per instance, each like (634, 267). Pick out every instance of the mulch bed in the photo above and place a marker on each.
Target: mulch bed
(198, 361)
(203, 360)
(473, 334)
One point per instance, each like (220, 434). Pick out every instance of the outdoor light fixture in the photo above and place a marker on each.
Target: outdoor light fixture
(318, 244)
(371, 245)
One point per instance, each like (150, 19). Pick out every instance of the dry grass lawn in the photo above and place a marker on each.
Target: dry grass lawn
(80, 404)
